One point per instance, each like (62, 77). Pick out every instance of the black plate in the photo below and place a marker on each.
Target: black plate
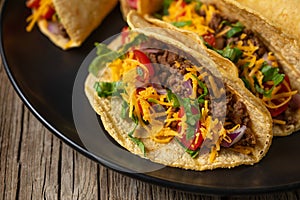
(44, 76)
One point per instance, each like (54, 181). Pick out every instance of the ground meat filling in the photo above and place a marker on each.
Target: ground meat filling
(57, 28)
(167, 65)
(237, 114)
(222, 42)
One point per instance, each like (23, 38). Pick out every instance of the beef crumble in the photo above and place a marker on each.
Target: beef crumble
(170, 68)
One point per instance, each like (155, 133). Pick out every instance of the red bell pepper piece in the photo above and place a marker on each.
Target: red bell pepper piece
(210, 39)
(143, 59)
(197, 140)
(277, 111)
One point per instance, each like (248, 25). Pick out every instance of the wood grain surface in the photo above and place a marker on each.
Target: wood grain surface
(35, 164)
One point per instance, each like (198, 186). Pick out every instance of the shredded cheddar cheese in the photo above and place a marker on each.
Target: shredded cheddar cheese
(165, 135)
(178, 12)
(37, 13)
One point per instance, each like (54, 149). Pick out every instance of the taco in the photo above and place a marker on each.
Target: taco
(267, 63)
(142, 7)
(166, 102)
(67, 23)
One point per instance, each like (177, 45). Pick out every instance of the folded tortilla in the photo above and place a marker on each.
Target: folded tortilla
(79, 19)
(172, 153)
(281, 14)
(285, 48)
(142, 7)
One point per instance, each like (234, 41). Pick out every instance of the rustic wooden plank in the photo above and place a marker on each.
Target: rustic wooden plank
(78, 176)
(39, 161)
(11, 111)
(123, 187)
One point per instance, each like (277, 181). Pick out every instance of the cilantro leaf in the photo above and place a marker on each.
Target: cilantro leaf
(105, 55)
(236, 28)
(106, 89)
(192, 153)
(203, 86)
(182, 23)
(232, 54)
(191, 118)
(272, 74)
(172, 98)
(137, 141)
(166, 5)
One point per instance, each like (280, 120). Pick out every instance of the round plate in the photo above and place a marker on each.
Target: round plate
(44, 76)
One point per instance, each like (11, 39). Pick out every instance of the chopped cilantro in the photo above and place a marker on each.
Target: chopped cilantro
(182, 23)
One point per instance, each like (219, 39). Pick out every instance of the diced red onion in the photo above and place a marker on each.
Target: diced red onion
(132, 3)
(161, 90)
(295, 102)
(188, 85)
(265, 57)
(53, 28)
(235, 136)
(145, 48)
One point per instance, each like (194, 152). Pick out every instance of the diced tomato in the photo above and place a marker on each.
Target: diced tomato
(49, 13)
(132, 3)
(197, 140)
(143, 59)
(181, 112)
(210, 39)
(32, 3)
(183, 4)
(278, 111)
(194, 143)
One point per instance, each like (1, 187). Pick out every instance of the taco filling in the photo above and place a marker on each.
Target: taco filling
(44, 9)
(169, 98)
(258, 67)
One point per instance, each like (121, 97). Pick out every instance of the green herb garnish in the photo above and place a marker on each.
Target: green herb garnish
(166, 5)
(272, 74)
(137, 141)
(192, 153)
(172, 98)
(106, 55)
(198, 6)
(205, 90)
(106, 89)
(182, 23)
(236, 29)
(191, 118)
(246, 83)
(232, 54)
(124, 110)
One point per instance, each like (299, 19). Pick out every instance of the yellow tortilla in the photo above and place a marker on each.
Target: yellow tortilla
(274, 35)
(79, 19)
(172, 154)
(282, 14)
(143, 7)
